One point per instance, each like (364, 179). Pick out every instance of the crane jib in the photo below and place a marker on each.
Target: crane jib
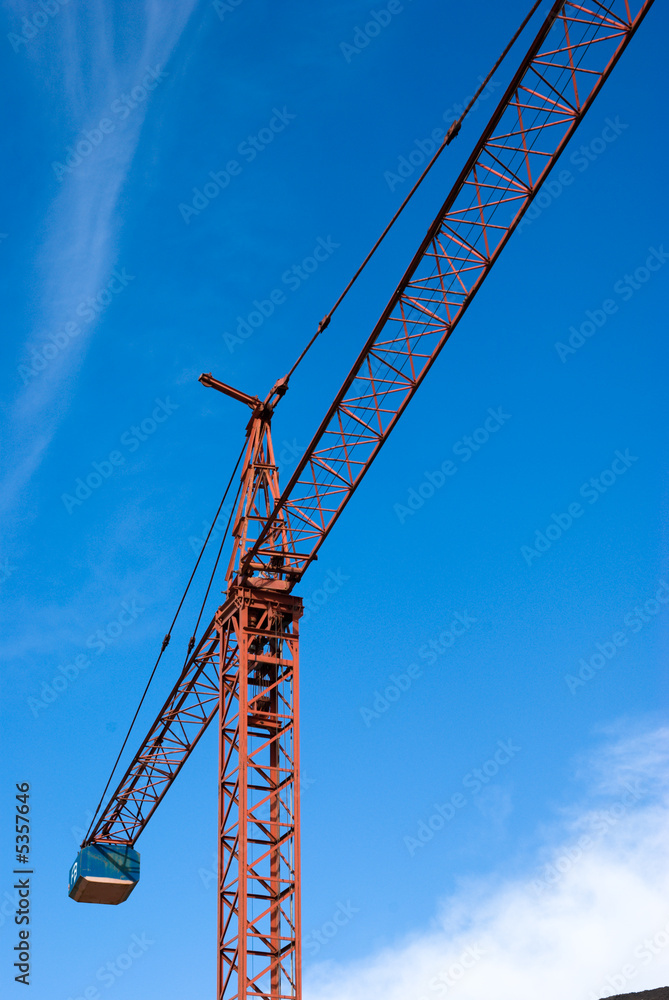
(543, 105)
(561, 75)
(244, 668)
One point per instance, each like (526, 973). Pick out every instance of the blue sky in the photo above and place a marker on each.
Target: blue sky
(124, 281)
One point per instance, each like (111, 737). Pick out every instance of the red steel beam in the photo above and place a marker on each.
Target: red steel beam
(562, 73)
(188, 710)
(259, 935)
(565, 68)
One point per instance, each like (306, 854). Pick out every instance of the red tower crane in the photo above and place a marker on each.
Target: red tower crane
(243, 670)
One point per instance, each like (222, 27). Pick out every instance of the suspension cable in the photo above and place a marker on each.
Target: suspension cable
(447, 140)
(191, 641)
(168, 636)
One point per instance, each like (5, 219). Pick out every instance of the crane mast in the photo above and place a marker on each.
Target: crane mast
(259, 937)
(244, 667)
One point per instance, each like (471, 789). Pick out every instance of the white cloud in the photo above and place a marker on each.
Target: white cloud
(591, 919)
(79, 73)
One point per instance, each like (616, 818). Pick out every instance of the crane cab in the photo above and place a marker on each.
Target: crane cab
(104, 873)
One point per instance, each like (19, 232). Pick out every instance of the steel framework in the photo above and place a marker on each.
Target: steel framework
(259, 854)
(559, 78)
(245, 666)
(259, 851)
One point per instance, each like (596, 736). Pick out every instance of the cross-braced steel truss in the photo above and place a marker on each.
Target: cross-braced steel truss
(190, 707)
(562, 73)
(259, 850)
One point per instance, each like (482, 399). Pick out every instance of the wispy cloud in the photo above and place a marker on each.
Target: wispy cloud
(590, 920)
(84, 60)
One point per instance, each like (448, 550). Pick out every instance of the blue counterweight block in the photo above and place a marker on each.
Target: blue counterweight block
(104, 873)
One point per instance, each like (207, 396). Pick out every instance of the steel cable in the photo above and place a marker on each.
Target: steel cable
(448, 138)
(168, 635)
